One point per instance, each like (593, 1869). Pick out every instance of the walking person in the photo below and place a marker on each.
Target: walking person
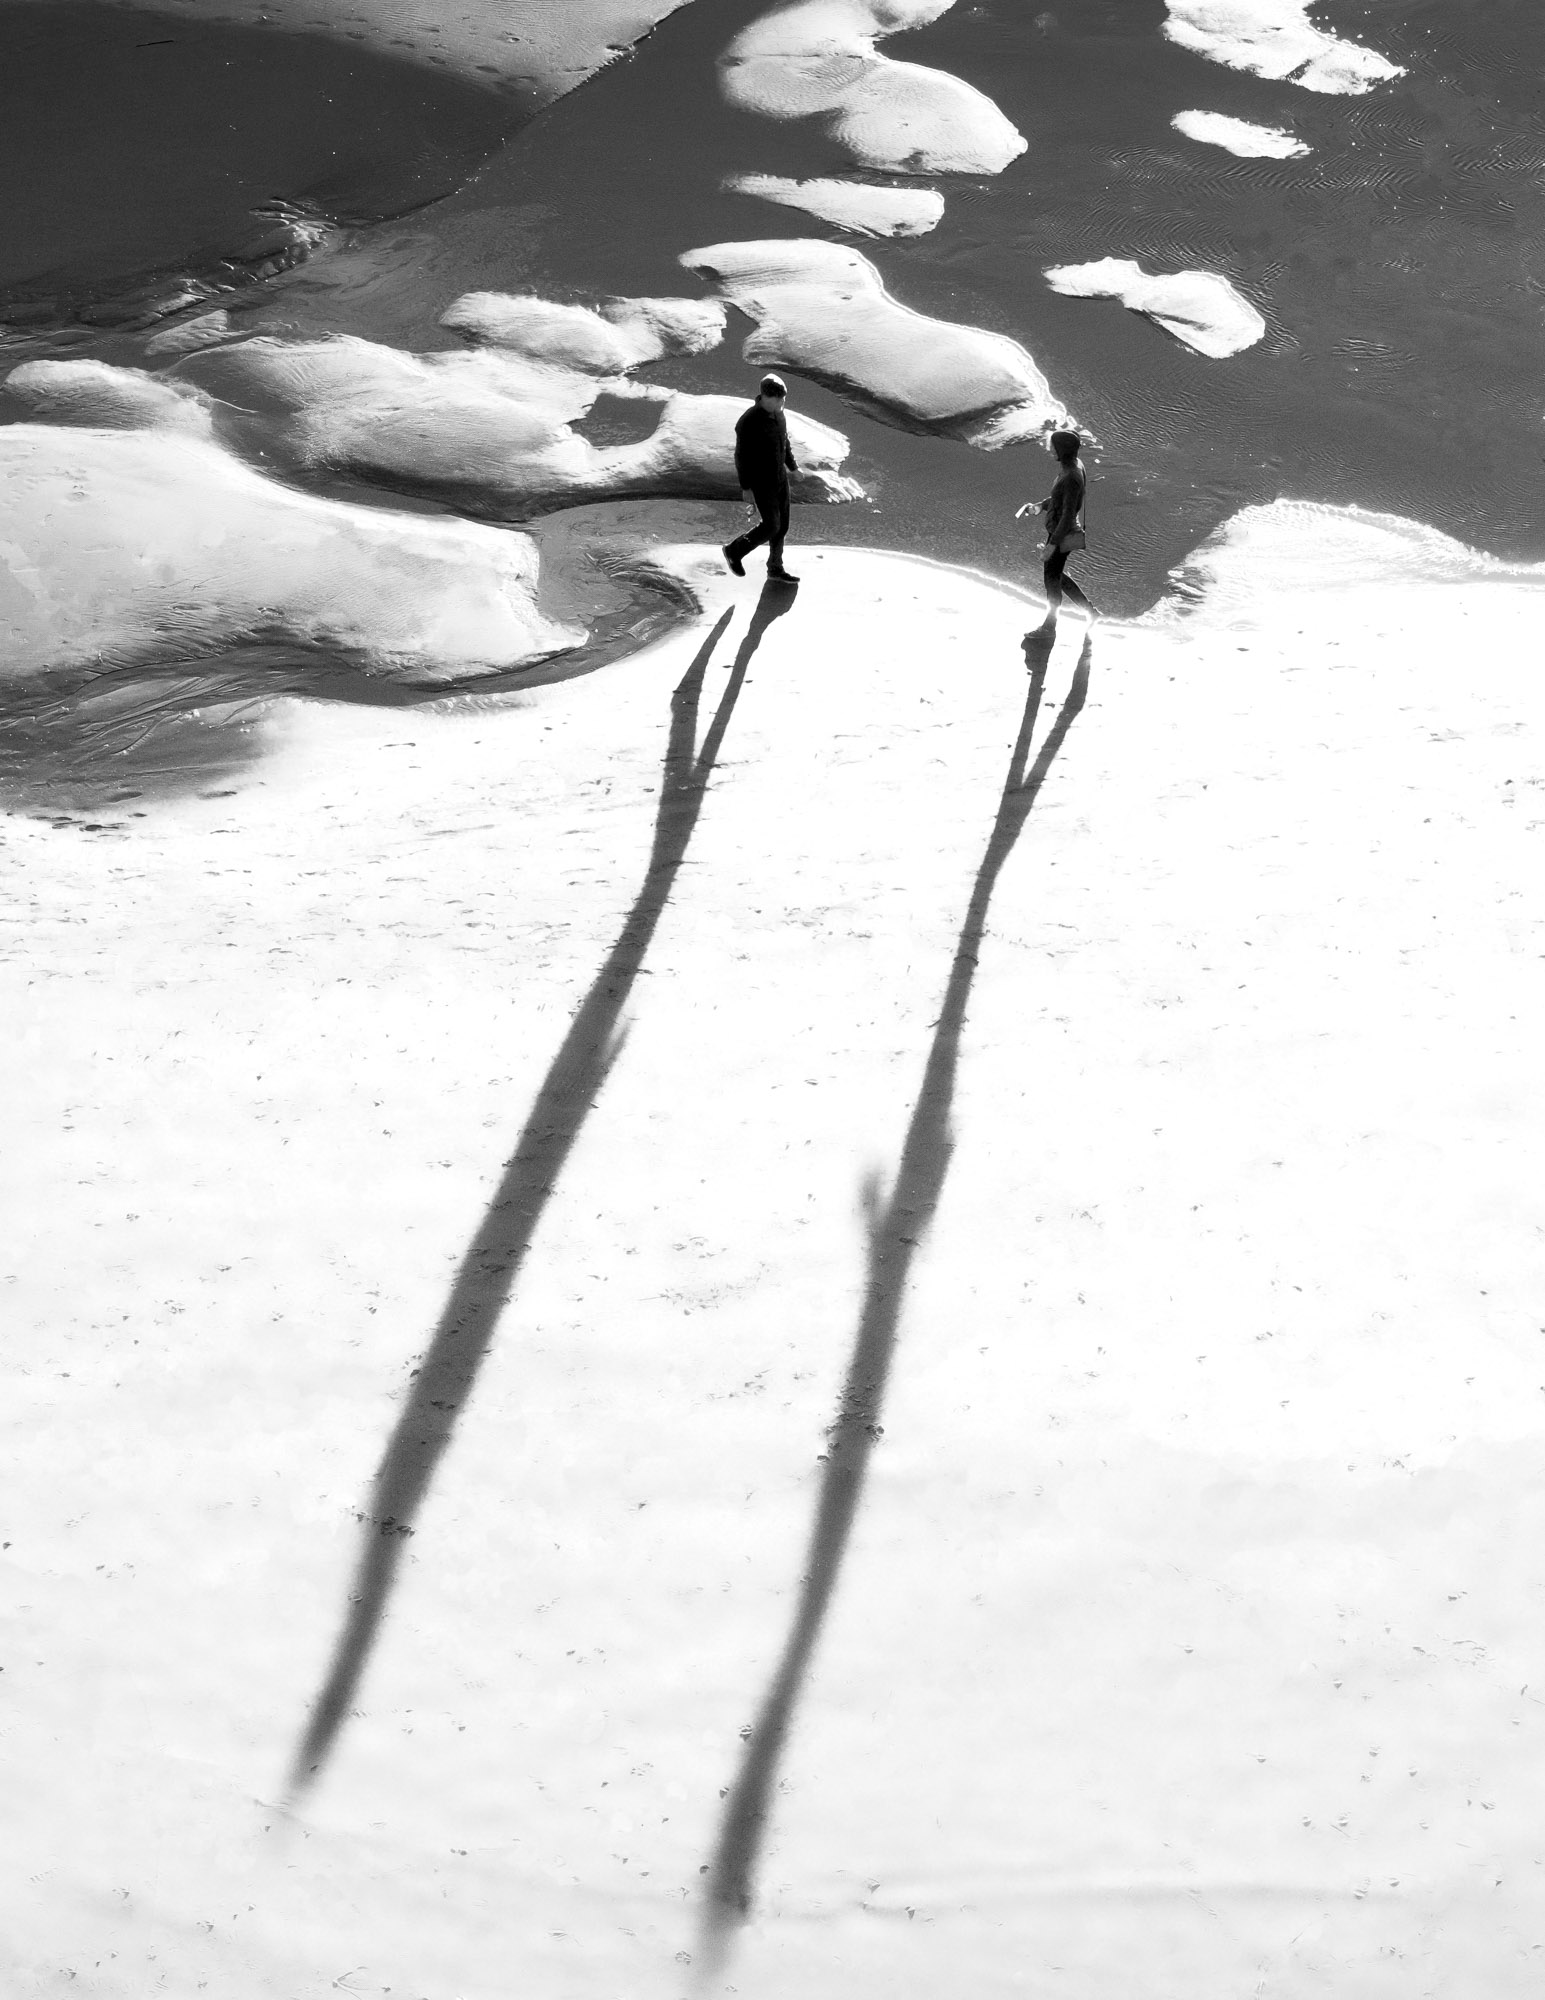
(1063, 509)
(763, 462)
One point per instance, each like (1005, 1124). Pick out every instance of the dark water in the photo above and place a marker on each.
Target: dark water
(1400, 265)
(136, 147)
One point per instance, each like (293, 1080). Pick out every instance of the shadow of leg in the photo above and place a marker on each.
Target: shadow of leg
(896, 1225)
(492, 1262)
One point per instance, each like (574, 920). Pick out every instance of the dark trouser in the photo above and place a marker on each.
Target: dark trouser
(772, 503)
(1059, 586)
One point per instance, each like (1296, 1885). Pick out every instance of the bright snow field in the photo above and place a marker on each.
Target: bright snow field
(1189, 1614)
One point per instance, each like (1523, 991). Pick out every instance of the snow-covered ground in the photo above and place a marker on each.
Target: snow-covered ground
(545, 46)
(1187, 1636)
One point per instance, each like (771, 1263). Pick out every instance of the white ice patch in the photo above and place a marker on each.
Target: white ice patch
(1266, 553)
(1275, 38)
(497, 426)
(818, 60)
(1198, 307)
(108, 398)
(119, 547)
(855, 205)
(823, 309)
(1239, 136)
(621, 335)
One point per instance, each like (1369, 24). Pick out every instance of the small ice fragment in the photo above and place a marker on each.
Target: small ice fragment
(1200, 308)
(1239, 136)
(855, 205)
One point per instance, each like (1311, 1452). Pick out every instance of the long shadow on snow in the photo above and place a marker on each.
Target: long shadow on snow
(493, 1259)
(896, 1226)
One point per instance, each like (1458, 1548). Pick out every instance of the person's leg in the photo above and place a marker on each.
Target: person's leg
(777, 528)
(1071, 589)
(1052, 580)
(755, 535)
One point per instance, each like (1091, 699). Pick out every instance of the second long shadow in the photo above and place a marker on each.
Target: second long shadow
(895, 1225)
(493, 1259)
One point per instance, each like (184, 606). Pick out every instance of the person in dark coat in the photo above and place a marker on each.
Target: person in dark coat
(763, 462)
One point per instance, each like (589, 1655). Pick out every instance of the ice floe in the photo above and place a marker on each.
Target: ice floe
(621, 334)
(818, 60)
(823, 309)
(855, 205)
(1276, 38)
(128, 546)
(1198, 307)
(495, 427)
(97, 394)
(1238, 135)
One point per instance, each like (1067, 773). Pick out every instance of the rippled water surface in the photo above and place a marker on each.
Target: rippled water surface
(1400, 266)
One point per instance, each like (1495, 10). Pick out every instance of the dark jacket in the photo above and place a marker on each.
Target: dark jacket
(762, 455)
(1066, 504)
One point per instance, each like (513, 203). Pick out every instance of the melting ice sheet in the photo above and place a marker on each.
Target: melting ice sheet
(621, 335)
(1198, 307)
(127, 545)
(494, 426)
(857, 205)
(96, 394)
(1276, 38)
(1239, 136)
(819, 60)
(824, 309)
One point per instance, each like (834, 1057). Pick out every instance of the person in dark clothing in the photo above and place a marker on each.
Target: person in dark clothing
(763, 462)
(1064, 512)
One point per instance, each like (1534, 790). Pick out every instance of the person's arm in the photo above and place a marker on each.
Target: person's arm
(742, 454)
(788, 450)
(1062, 509)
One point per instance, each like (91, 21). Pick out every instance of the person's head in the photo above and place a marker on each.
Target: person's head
(772, 392)
(1065, 444)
